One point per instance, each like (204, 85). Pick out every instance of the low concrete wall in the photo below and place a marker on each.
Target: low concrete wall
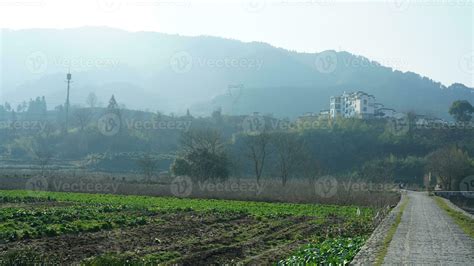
(368, 253)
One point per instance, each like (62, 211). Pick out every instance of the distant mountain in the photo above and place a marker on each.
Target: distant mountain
(171, 73)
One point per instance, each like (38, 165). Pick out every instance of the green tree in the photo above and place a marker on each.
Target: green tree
(203, 156)
(461, 111)
(450, 165)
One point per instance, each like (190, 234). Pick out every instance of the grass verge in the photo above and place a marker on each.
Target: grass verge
(391, 232)
(459, 218)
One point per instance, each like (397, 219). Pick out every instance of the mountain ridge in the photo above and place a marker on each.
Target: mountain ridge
(175, 72)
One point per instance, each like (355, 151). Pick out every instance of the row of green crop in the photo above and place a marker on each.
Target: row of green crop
(169, 203)
(20, 223)
(333, 251)
(94, 212)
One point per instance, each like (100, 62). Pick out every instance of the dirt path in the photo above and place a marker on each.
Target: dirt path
(427, 235)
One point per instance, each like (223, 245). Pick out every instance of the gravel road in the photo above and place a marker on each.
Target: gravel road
(427, 235)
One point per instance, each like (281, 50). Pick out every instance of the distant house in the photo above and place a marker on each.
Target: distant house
(352, 105)
(307, 117)
(385, 113)
(422, 121)
(324, 114)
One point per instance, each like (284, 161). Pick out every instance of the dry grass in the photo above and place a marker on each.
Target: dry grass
(341, 192)
(464, 222)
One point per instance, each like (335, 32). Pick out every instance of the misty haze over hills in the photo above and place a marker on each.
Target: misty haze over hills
(171, 73)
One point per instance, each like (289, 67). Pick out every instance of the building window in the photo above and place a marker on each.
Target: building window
(365, 101)
(365, 109)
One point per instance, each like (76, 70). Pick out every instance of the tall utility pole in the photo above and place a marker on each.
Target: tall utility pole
(68, 77)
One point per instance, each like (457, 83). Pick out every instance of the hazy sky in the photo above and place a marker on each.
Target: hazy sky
(431, 37)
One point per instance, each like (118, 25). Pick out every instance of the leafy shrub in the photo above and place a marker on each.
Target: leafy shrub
(335, 251)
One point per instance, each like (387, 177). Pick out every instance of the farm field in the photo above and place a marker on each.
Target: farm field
(96, 229)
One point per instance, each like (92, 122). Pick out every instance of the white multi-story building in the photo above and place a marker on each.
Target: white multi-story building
(352, 105)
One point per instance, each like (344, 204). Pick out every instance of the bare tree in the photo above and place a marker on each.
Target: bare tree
(91, 100)
(203, 156)
(83, 116)
(311, 169)
(289, 152)
(42, 154)
(43, 159)
(257, 149)
(149, 165)
(201, 139)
